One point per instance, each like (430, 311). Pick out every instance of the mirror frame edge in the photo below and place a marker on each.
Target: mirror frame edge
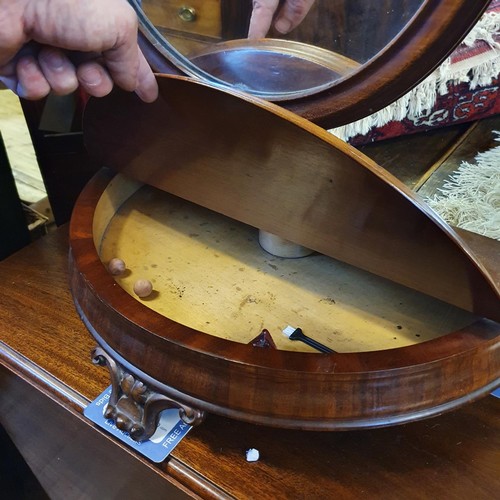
(420, 48)
(429, 37)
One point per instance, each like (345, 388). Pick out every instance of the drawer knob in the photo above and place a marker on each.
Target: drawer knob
(187, 14)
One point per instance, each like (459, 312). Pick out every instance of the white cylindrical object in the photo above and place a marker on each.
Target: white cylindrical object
(280, 247)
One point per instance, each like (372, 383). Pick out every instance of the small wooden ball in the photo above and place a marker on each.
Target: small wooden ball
(116, 267)
(143, 288)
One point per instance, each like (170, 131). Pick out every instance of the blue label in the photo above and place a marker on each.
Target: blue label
(171, 429)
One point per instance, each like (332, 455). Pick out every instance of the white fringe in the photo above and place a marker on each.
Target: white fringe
(417, 103)
(486, 27)
(470, 198)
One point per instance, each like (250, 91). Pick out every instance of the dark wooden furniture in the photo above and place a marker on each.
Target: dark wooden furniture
(310, 189)
(214, 20)
(46, 379)
(351, 27)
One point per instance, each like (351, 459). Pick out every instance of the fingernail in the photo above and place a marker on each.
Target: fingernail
(147, 90)
(90, 76)
(28, 65)
(55, 60)
(147, 95)
(283, 25)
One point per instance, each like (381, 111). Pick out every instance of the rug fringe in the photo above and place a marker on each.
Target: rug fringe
(485, 29)
(470, 198)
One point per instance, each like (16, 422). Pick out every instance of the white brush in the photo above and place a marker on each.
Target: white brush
(297, 334)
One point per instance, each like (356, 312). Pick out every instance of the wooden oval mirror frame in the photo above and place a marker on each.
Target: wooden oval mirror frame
(435, 30)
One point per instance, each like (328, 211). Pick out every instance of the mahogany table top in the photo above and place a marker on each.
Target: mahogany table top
(455, 455)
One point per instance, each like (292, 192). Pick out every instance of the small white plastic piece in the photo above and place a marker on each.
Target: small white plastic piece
(289, 330)
(252, 455)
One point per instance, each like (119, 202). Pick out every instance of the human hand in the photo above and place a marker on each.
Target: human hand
(288, 16)
(58, 45)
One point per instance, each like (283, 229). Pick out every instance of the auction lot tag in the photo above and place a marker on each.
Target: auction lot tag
(171, 429)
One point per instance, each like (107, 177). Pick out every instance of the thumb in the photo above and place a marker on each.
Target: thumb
(122, 61)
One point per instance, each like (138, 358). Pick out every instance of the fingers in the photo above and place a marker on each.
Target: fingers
(53, 71)
(289, 16)
(262, 17)
(147, 86)
(122, 60)
(43, 38)
(34, 77)
(23, 75)
(31, 82)
(94, 78)
(128, 66)
(292, 14)
(98, 80)
(58, 70)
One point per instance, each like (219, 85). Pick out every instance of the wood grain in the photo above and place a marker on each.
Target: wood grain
(282, 174)
(210, 273)
(300, 390)
(165, 14)
(456, 453)
(20, 149)
(410, 158)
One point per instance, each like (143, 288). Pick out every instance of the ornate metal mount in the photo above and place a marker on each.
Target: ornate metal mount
(133, 406)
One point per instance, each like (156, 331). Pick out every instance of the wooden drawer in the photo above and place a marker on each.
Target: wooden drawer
(201, 17)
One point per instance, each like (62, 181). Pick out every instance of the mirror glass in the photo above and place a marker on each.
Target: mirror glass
(209, 39)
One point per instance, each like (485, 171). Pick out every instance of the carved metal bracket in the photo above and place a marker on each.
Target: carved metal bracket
(133, 406)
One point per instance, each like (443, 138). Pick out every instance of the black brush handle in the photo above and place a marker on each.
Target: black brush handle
(298, 334)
